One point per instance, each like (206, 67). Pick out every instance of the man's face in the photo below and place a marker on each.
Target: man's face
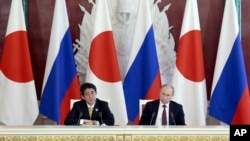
(90, 96)
(166, 94)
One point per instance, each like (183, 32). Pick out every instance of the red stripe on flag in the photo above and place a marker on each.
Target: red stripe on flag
(72, 93)
(242, 114)
(154, 91)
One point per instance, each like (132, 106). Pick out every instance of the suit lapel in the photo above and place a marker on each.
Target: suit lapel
(96, 110)
(169, 114)
(156, 108)
(85, 109)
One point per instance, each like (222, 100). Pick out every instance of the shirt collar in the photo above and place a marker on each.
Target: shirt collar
(90, 105)
(167, 105)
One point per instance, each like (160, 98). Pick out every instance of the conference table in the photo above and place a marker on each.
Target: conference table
(114, 133)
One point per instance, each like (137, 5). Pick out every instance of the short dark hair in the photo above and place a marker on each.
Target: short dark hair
(87, 86)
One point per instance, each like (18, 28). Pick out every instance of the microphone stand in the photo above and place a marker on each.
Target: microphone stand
(172, 116)
(79, 118)
(100, 114)
(153, 115)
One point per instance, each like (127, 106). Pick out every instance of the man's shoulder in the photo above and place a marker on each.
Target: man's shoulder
(102, 102)
(175, 103)
(153, 102)
(79, 102)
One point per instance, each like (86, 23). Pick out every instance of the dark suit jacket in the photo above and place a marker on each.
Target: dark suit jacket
(149, 114)
(101, 113)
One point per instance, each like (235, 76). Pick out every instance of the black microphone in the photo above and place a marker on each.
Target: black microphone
(79, 118)
(172, 116)
(100, 114)
(152, 116)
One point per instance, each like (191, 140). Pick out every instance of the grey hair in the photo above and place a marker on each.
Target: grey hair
(168, 85)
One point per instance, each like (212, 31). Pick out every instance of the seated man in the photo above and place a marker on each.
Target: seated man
(163, 111)
(90, 110)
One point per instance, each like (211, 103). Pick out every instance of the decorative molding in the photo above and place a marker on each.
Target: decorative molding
(114, 133)
(112, 138)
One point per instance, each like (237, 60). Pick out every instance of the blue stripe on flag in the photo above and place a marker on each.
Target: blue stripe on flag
(58, 83)
(230, 86)
(141, 75)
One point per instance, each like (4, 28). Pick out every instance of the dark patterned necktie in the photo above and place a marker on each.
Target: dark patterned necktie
(164, 116)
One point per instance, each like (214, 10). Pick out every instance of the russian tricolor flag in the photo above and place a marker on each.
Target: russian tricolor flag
(230, 95)
(60, 79)
(142, 79)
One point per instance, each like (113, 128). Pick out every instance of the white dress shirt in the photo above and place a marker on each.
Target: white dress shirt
(159, 115)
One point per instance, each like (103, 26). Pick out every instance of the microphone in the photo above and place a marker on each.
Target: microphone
(79, 118)
(152, 116)
(101, 124)
(172, 116)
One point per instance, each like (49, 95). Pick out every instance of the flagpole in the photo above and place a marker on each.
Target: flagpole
(238, 8)
(25, 10)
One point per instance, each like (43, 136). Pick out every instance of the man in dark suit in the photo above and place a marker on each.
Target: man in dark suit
(90, 110)
(154, 113)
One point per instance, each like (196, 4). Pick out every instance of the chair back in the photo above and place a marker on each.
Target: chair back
(142, 105)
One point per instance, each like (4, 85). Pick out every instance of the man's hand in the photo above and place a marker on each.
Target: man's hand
(90, 122)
